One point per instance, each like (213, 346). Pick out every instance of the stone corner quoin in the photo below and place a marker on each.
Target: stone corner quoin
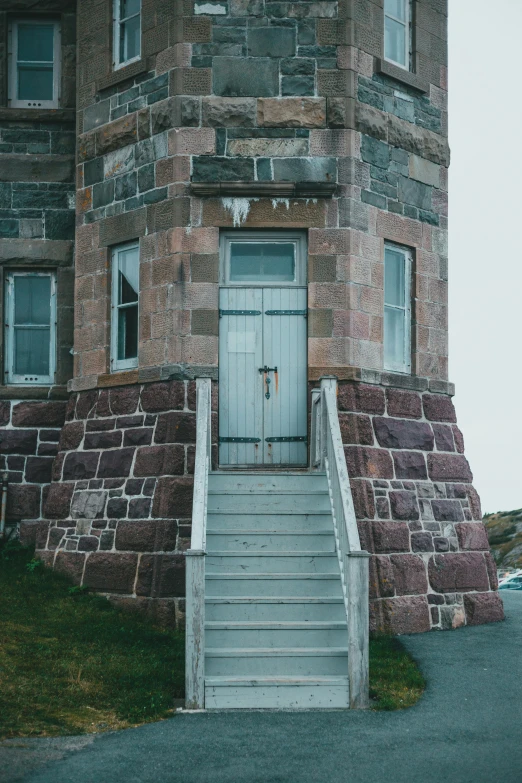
(254, 97)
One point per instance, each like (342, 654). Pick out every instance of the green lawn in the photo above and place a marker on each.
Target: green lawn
(71, 663)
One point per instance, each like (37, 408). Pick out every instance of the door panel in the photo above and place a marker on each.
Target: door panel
(247, 343)
(284, 347)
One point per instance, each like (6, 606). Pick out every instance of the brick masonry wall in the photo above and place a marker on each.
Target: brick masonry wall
(417, 511)
(118, 511)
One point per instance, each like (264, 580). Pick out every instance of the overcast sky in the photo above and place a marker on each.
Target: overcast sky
(485, 270)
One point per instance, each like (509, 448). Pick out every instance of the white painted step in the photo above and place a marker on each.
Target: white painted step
(272, 562)
(293, 609)
(266, 540)
(287, 502)
(275, 634)
(289, 521)
(288, 584)
(276, 693)
(257, 481)
(276, 662)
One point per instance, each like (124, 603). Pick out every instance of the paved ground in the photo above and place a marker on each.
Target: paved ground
(466, 729)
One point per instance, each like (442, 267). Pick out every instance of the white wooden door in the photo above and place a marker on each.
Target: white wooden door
(262, 376)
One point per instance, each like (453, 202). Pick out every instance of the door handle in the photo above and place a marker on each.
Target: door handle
(265, 370)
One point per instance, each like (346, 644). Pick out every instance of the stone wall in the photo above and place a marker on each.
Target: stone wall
(118, 511)
(417, 511)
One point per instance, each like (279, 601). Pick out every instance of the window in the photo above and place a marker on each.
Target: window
(127, 32)
(397, 309)
(397, 32)
(30, 329)
(34, 57)
(267, 258)
(125, 296)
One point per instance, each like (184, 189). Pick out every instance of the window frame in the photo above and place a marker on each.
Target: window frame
(18, 103)
(298, 238)
(407, 253)
(115, 363)
(116, 24)
(10, 378)
(408, 43)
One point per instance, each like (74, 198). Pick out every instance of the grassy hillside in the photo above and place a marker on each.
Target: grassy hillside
(505, 537)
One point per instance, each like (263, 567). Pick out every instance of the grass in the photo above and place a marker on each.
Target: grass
(71, 663)
(395, 679)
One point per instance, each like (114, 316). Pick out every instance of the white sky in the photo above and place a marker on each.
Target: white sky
(485, 272)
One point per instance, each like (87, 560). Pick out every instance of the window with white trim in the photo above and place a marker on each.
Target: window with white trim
(397, 32)
(127, 32)
(397, 308)
(30, 328)
(34, 64)
(125, 306)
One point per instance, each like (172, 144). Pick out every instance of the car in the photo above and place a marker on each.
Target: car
(510, 577)
(511, 584)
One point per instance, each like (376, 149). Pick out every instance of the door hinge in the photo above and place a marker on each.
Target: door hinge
(287, 312)
(239, 312)
(288, 439)
(240, 440)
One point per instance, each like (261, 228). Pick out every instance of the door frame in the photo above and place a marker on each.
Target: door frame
(300, 238)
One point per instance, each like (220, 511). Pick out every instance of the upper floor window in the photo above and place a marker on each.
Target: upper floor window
(34, 58)
(397, 308)
(30, 328)
(127, 32)
(397, 36)
(125, 303)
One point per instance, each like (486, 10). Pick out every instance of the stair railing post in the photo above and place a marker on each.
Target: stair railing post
(357, 579)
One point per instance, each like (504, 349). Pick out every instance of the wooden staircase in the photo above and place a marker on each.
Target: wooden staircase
(275, 623)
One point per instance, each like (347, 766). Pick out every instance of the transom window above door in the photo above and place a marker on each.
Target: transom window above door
(265, 258)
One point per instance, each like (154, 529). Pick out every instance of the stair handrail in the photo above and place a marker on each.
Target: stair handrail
(327, 453)
(195, 556)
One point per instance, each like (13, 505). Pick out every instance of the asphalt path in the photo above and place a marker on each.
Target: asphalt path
(467, 728)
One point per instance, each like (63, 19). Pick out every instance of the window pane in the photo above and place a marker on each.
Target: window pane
(35, 83)
(128, 333)
(130, 39)
(394, 271)
(36, 42)
(32, 300)
(31, 351)
(128, 276)
(264, 261)
(129, 8)
(394, 339)
(395, 8)
(395, 41)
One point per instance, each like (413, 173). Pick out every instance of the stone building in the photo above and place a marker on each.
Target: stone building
(230, 153)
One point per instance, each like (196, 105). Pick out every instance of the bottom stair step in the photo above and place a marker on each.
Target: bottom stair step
(276, 692)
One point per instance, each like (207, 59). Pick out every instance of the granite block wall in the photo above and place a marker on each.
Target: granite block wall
(117, 515)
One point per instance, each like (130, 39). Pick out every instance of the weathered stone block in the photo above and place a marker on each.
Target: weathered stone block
(472, 535)
(124, 400)
(159, 460)
(18, 441)
(447, 510)
(305, 169)
(23, 502)
(80, 465)
(458, 572)
(111, 572)
(39, 414)
(173, 498)
(214, 169)
(483, 608)
(409, 573)
(38, 470)
(363, 499)
(115, 463)
(71, 435)
(292, 113)
(229, 112)
(421, 542)
(375, 152)
(404, 505)
(88, 504)
(271, 41)
(410, 465)
(70, 564)
(403, 434)
(368, 462)
(117, 508)
(414, 193)
(381, 577)
(443, 437)
(176, 427)
(149, 536)
(117, 134)
(240, 77)
(356, 428)
(438, 407)
(424, 171)
(161, 576)
(58, 502)
(403, 404)
(163, 396)
(391, 537)
(403, 615)
(361, 398)
(449, 467)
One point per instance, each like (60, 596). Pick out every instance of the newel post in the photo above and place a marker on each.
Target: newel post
(195, 630)
(357, 580)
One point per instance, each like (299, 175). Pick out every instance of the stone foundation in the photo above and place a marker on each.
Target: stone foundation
(118, 512)
(417, 511)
